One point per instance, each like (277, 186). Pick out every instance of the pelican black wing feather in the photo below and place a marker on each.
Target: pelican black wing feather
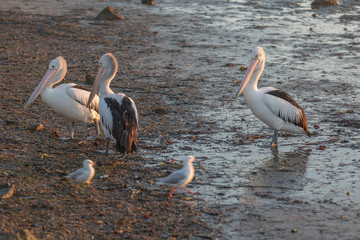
(124, 128)
(301, 121)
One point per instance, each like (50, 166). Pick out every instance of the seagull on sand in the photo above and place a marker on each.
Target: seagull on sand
(182, 177)
(84, 174)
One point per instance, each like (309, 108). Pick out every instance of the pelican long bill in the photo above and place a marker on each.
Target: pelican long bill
(40, 87)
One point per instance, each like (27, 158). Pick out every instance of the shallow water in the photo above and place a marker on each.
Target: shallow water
(314, 58)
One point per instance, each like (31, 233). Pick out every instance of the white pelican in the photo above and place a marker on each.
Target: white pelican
(182, 177)
(272, 106)
(84, 174)
(68, 99)
(118, 113)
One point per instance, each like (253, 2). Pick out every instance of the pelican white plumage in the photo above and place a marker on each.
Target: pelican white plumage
(84, 174)
(118, 113)
(68, 99)
(272, 106)
(181, 177)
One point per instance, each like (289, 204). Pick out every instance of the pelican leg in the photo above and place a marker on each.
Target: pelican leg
(97, 129)
(106, 152)
(274, 140)
(71, 132)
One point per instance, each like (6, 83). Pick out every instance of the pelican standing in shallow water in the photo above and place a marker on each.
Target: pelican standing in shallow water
(118, 113)
(68, 99)
(272, 106)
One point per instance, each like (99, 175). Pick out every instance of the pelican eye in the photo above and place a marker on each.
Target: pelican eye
(256, 56)
(53, 66)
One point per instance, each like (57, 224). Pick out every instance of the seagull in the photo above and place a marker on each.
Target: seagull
(118, 113)
(181, 177)
(274, 107)
(83, 175)
(68, 99)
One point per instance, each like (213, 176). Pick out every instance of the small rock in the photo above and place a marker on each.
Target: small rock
(6, 191)
(19, 235)
(36, 127)
(160, 111)
(109, 14)
(149, 2)
(230, 64)
(323, 3)
(10, 122)
(89, 79)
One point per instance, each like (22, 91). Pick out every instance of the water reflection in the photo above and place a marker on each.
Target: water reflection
(280, 175)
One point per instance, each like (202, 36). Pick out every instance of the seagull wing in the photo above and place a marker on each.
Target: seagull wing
(176, 178)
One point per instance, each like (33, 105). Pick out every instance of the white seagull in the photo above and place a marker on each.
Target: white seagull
(84, 174)
(118, 113)
(272, 106)
(68, 99)
(181, 177)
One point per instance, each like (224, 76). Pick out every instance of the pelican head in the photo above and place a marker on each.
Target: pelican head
(88, 162)
(107, 71)
(56, 72)
(254, 70)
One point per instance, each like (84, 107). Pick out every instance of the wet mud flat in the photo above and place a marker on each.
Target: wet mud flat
(181, 70)
(128, 204)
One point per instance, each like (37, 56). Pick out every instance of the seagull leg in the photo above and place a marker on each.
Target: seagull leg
(274, 140)
(188, 191)
(97, 129)
(170, 195)
(92, 188)
(76, 189)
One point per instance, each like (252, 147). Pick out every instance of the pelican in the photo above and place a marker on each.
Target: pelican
(68, 99)
(181, 177)
(274, 107)
(118, 113)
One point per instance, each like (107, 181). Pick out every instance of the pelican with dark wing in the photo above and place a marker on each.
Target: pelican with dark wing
(118, 113)
(274, 107)
(68, 99)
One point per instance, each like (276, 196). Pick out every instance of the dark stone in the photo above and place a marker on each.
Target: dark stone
(36, 127)
(109, 14)
(89, 79)
(323, 3)
(160, 111)
(149, 2)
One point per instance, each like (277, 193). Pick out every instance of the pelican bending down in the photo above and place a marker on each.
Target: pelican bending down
(118, 113)
(272, 106)
(68, 99)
